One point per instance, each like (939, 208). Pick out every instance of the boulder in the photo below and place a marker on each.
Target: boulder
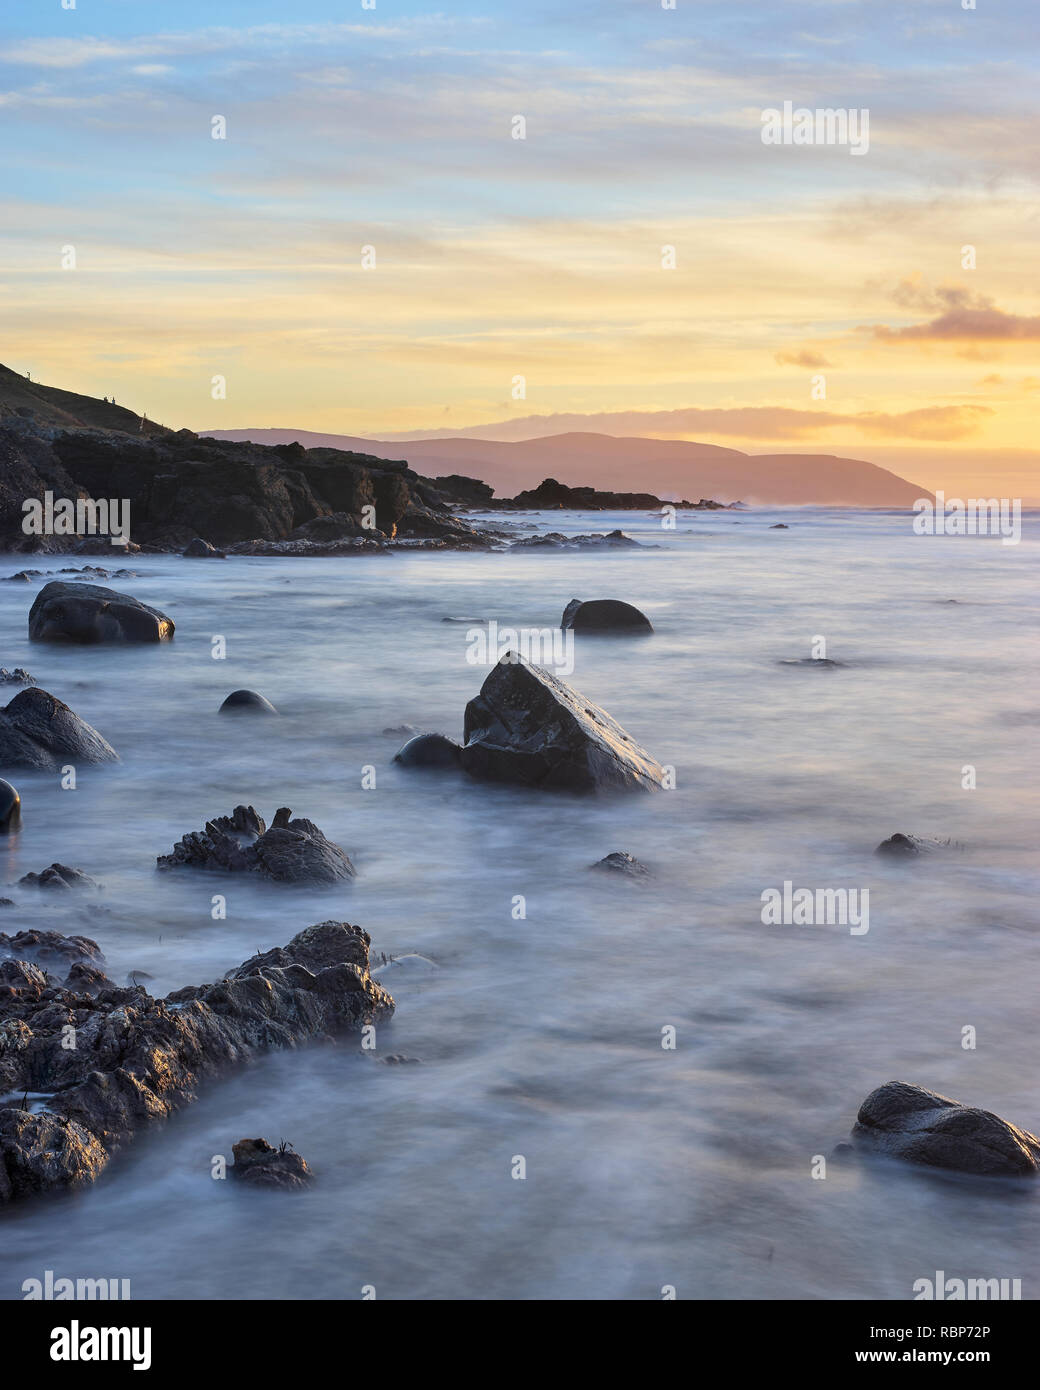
(139, 1059)
(429, 750)
(901, 846)
(621, 862)
(905, 1121)
(291, 851)
(260, 1163)
(526, 726)
(59, 878)
(604, 615)
(198, 549)
(10, 809)
(57, 954)
(38, 730)
(247, 702)
(89, 613)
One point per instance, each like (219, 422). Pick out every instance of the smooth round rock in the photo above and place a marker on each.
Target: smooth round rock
(10, 809)
(428, 750)
(247, 702)
(604, 615)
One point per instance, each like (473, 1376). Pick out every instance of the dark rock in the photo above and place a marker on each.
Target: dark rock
(57, 954)
(198, 549)
(604, 615)
(10, 809)
(291, 851)
(139, 1059)
(88, 613)
(597, 540)
(38, 730)
(621, 862)
(824, 662)
(469, 491)
(550, 494)
(247, 702)
(905, 1121)
(60, 878)
(429, 750)
(529, 727)
(901, 846)
(19, 676)
(337, 526)
(780, 526)
(397, 1059)
(258, 1162)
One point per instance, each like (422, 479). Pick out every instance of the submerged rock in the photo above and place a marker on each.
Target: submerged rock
(247, 702)
(10, 809)
(527, 726)
(901, 846)
(258, 1162)
(56, 953)
(905, 1121)
(140, 1059)
(429, 750)
(291, 851)
(820, 661)
(60, 878)
(38, 730)
(88, 613)
(604, 615)
(620, 862)
(198, 549)
(596, 540)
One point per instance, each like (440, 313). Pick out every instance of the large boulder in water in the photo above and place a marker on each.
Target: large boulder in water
(604, 615)
(90, 613)
(429, 750)
(529, 727)
(37, 730)
(291, 851)
(906, 1121)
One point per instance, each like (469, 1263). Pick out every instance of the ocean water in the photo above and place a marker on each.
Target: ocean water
(541, 1037)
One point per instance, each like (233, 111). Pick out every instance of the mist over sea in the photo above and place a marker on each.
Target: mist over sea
(542, 1037)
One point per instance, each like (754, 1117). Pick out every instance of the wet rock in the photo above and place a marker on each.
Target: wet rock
(429, 750)
(258, 1162)
(139, 1059)
(89, 613)
(38, 730)
(780, 526)
(60, 878)
(198, 549)
(247, 702)
(19, 676)
(21, 975)
(337, 526)
(620, 862)
(10, 809)
(905, 1121)
(291, 851)
(597, 540)
(823, 662)
(526, 726)
(55, 953)
(901, 846)
(398, 1059)
(604, 615)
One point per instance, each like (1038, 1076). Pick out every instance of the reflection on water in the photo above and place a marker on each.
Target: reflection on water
(541, 1037)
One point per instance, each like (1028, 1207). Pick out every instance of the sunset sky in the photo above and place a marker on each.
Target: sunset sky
(541, 258)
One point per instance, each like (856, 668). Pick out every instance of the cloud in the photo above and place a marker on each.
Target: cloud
(803, 358)
(958, 315)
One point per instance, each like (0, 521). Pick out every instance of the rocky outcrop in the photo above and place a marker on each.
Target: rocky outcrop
(38, 730)
(595, 540)
(608, 615)
(551, 495)
(59, 878)
(901, 846)
(262, 1165)
(526, 726)
(291, 851)
(905, 1121)
(89, 613)
(138, 1059)
(621, 862)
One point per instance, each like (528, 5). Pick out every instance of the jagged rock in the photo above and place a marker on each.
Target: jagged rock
(89, 613)
(38, 730)
(529, 727)
(824, 662)
(57, 954)
(139, 1059)
(604, 615)
(60, 878)
(291, 851)
(258, 1162)
(198, 549)
(905, 1121)
(247, 702)
(901, 846)
(596, 540)
(19, 676)
(429, 750)
(10, 809)
(620, 862)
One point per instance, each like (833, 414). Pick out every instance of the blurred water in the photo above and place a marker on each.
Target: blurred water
(542, 1037)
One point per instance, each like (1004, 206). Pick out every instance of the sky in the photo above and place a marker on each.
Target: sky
(813, 300)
